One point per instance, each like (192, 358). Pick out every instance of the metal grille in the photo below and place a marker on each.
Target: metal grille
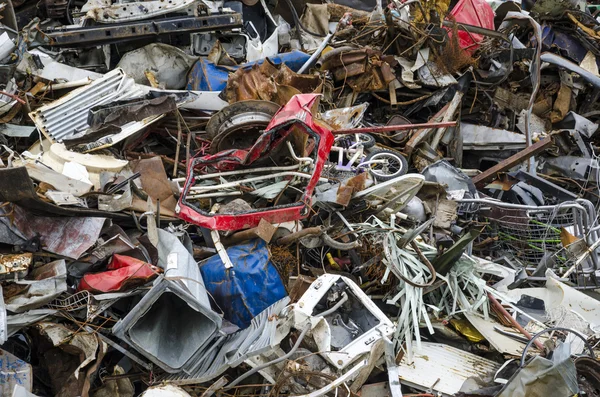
(527, 233)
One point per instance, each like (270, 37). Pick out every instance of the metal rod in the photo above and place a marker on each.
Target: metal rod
(506, 314)
(388, 128)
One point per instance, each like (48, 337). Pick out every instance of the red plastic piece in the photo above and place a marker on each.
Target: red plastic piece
(294, 116)
(471, 12)
(123, 273)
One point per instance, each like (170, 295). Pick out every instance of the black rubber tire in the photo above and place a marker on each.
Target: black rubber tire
(398, 165)
(367, 140)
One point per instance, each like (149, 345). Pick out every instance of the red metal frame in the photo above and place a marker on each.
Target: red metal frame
(295, 115)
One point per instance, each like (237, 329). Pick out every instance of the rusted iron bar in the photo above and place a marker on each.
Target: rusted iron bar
(510, 162)
(506, 314)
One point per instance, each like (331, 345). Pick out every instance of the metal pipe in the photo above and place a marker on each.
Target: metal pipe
(255, 179)
(335, 307)
(313, 58)
(238, 172)
(70, 84)
(506, 314)
(388, 128)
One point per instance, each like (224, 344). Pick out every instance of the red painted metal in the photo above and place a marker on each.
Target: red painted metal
(471, 12)
(123, 273)
(294, 116)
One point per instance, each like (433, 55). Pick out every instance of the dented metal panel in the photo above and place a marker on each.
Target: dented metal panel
(443, 368)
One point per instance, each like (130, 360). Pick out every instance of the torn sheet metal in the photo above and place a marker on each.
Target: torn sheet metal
(499, 341)
(42, 65)
(16, 322)
(574, 121)
(16, 131)
(269, 81)
(563, 301)
(479, 137)
(545, 377)
(45, 283)
(442, 368)
(63, 343)
(345, 118)
(69, 237)
(41, 173)
(169, 64)
(207, 76)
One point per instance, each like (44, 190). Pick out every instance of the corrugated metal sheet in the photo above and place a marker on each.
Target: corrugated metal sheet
(442, 367)
(67, 117)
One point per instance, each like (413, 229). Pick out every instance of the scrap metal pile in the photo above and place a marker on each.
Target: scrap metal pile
(291, 198)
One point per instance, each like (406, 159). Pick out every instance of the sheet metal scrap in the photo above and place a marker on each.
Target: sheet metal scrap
(268, 82)
(279, 198)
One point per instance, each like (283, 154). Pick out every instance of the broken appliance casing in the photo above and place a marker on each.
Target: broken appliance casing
(303, 311)
(295, 116)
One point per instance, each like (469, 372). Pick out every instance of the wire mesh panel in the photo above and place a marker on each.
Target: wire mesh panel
(529, 234)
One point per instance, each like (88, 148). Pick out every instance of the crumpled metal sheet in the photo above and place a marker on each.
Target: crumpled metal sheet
(362, 70)
(69, 375)
(208, 76)
(123, 112)
(269, 82)
(122, 273)
(155, 183)
(169, 65)
(49, 281)
(543, 377)
(15, 322)
(472, 12)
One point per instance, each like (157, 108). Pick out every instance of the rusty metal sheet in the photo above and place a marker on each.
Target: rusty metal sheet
(15, 266)
(156, 183)
(69, 237)
(269, 82)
